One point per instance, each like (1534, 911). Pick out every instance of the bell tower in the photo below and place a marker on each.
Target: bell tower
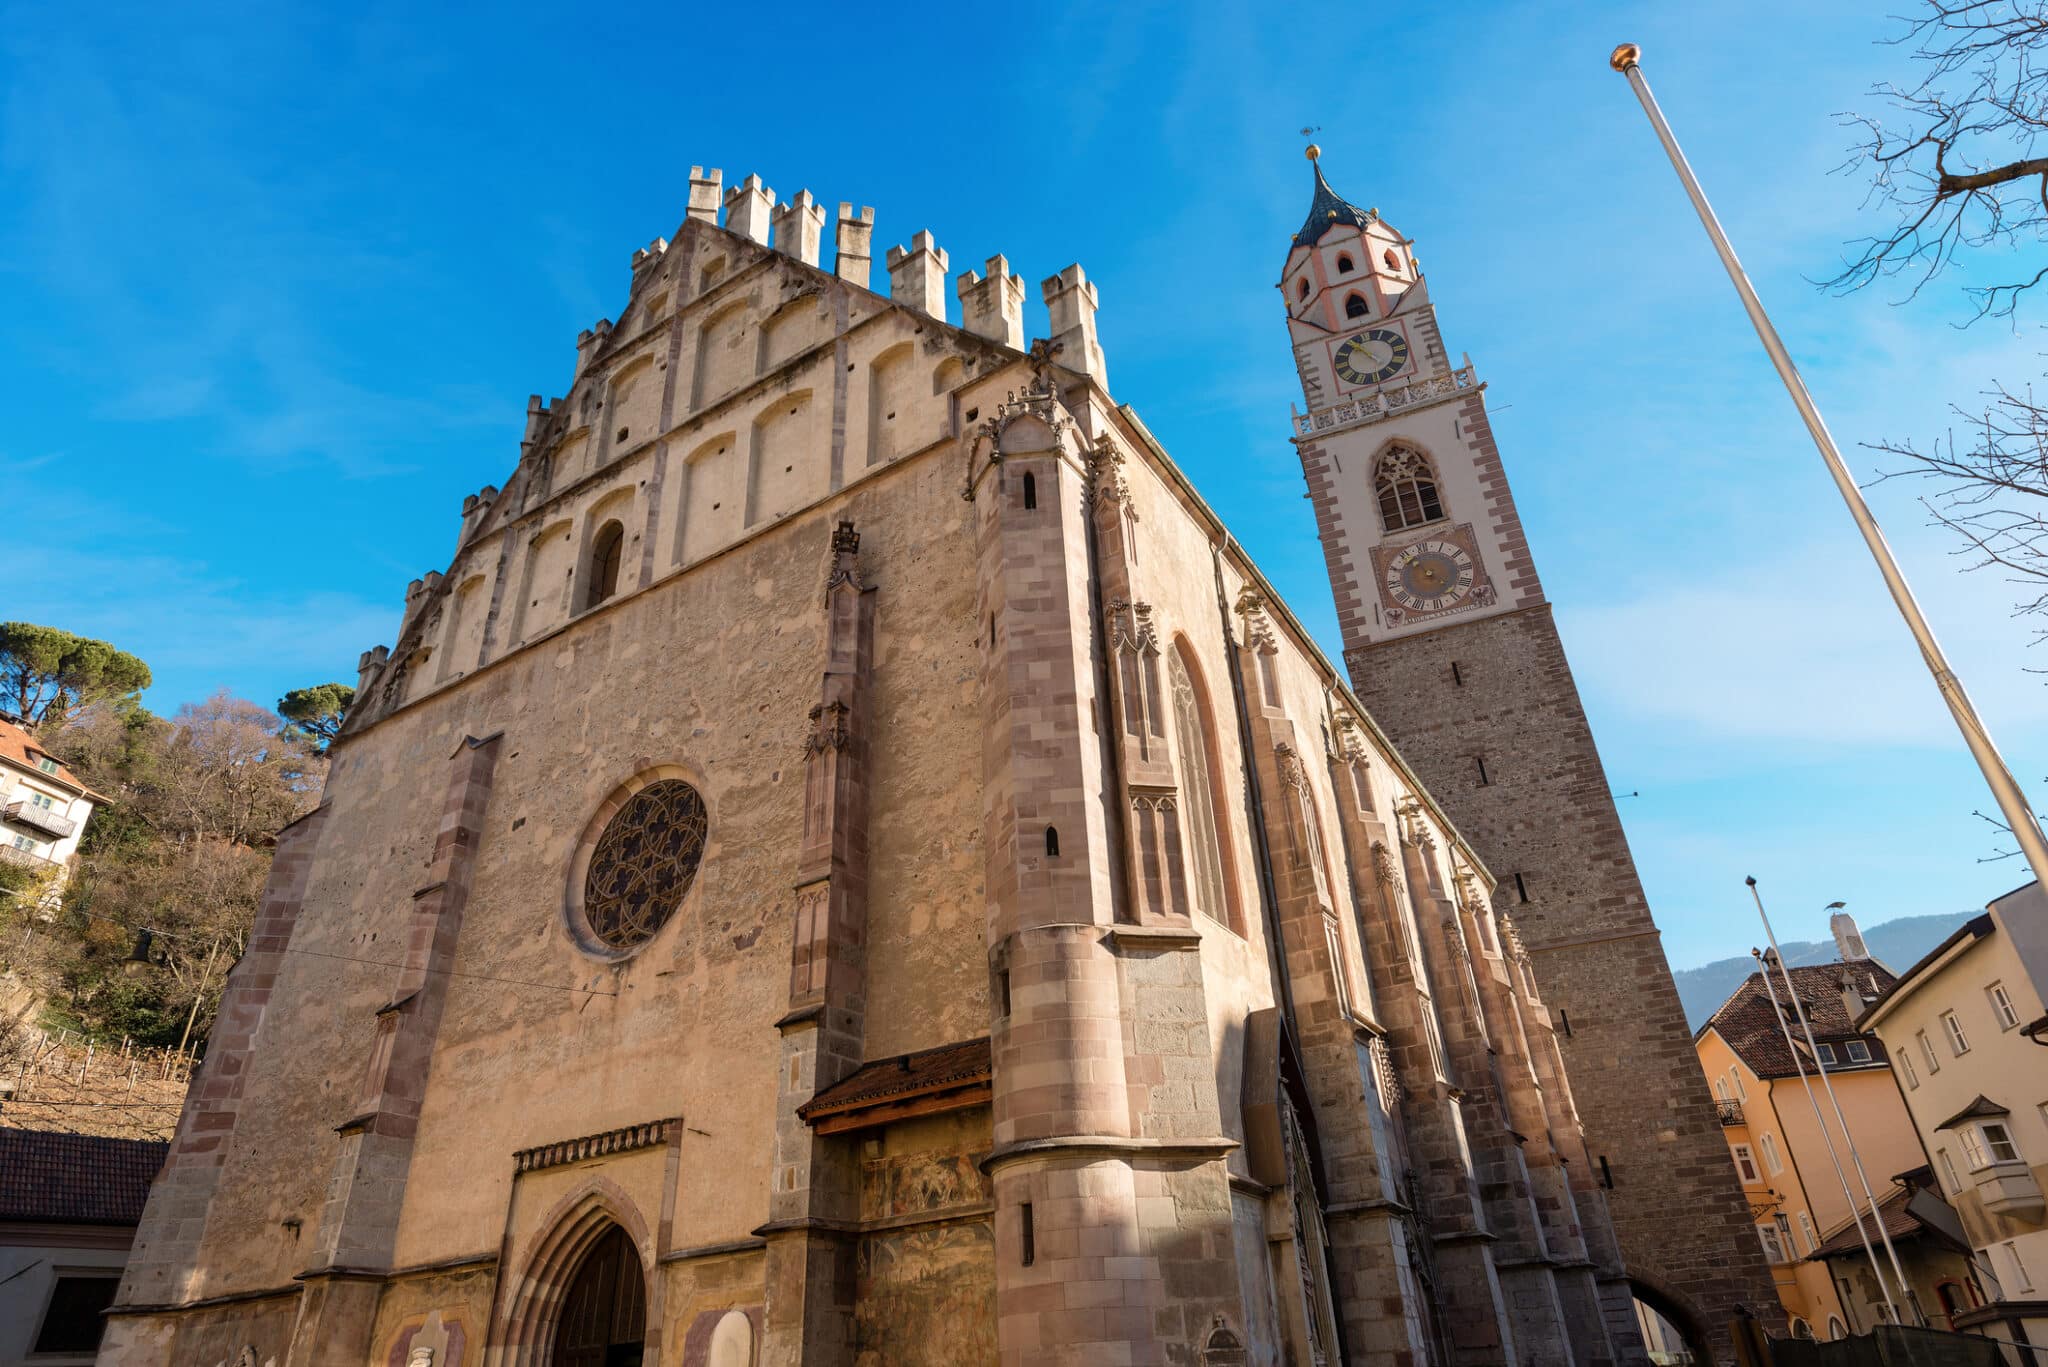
(1450, 643)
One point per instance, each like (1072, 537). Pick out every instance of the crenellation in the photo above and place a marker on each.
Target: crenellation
(992, 305)
(704, 194)
(1071, 301)
(748, 206)
(854, 244)
(799, 226)
(917, 275)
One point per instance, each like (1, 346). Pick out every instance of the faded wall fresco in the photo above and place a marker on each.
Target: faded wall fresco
(927, 1297)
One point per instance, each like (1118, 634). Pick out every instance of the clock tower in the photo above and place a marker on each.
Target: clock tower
(1450, 643)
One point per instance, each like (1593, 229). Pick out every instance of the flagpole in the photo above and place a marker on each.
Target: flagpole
(2012, 802)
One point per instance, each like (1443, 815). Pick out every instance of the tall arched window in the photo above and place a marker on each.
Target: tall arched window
(1200, 804)
(605, 554)
(1407, 490)
(1355, 307)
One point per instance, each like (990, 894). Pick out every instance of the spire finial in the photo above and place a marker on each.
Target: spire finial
(1314, 153)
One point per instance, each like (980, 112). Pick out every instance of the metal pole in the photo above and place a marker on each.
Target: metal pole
(1869, 1251)
(201, 994)
(2012, 802)
(1862, 1178)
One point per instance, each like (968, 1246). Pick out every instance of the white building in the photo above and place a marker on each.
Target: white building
(1968, 1036)
(43, 805)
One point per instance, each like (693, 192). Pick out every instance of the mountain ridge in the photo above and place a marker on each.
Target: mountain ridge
(1897, 944)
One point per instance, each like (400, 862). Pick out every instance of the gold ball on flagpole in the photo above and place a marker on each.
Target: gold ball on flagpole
(1313, 153)
(1625, 56)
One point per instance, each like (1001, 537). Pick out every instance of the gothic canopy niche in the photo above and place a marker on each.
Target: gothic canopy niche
(635, 863)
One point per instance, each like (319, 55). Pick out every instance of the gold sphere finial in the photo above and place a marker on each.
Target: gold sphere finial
(1314, 153)
(1625, 56)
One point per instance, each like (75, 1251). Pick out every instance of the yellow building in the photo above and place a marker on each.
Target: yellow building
(1965, 1027)
(1799, 1198)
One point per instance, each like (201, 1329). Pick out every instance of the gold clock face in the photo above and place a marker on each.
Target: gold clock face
(1430, 576)
(1372, 356)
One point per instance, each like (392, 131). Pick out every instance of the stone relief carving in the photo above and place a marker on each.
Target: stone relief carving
(845, 546)
(1258, 628)
(828, 728)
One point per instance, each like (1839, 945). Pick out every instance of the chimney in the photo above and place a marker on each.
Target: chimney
(917, 277)
(855, 240)
(798, 225)
(992, 306)
(1852, 999)
(1849, 944)
(746, 209)
(1070, 299)
(704, 194)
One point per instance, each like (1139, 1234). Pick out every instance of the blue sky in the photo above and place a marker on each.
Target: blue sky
(277, 284)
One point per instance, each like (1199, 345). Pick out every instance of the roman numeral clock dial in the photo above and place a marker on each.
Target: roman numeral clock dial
(1372, 356)
(1430, 576)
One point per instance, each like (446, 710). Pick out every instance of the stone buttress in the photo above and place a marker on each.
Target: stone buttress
(1113, 1235)
(815, 1190)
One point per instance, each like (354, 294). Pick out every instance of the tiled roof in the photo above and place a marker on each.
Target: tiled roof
(1982, 1106)
(942, 1069)
(1899, 1222)
(76, 1179)
(19, 748)
(1750, 1026)
(1326, 211)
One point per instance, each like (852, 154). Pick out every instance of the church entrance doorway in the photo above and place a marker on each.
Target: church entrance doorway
(604, 1319)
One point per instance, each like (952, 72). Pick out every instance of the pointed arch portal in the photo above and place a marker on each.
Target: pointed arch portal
(604, 1316)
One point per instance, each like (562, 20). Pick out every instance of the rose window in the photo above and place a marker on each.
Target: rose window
(644, 863)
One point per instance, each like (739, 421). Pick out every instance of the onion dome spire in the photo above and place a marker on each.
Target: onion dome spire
(1328, 209)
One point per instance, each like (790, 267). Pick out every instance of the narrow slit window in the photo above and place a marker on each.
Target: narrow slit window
(605, 554)
(1479, 761)
(1030, 490)
(1052, 841)
(1027, 1251)
(1521, 889)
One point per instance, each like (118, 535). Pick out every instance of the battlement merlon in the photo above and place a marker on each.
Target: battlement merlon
(1071, 301)
(799, 225)
(704, 194)
(747, 208)
(992, 305)
(649, 254)
(853, 247)
(917, 276)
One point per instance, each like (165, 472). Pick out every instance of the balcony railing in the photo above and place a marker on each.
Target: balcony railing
(1729, 1112)
(45, 819)
(1387, 400)
(10, 855)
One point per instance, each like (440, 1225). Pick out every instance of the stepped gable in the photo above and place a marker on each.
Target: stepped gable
(756, 235)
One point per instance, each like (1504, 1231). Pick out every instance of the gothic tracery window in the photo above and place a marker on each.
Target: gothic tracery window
(1198, 792)
(644, 863)
(1406, 487)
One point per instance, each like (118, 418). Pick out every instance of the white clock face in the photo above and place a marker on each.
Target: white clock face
(1430, 576)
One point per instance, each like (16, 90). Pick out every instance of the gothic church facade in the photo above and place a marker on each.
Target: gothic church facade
(851, 864)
